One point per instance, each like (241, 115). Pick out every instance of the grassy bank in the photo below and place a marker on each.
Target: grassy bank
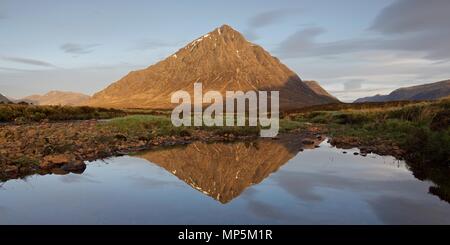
(421, 129)
(33, 113)
(161, 125)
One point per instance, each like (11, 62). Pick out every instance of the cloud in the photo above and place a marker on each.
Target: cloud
(264, 210)
(266, 18)
(75, 48)
(153, 44)
(411, 26)
(405, 16)
(353, 84)
(28, 61)
(303, 44)
(400, 210)
(270, 17)
(3, 68)
(416, 25)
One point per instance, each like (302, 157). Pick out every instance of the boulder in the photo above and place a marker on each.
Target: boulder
(74, 166)
(307, 142)
(11, 170)
(52, 161)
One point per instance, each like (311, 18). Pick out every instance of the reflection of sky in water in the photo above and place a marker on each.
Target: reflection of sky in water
(320, 186)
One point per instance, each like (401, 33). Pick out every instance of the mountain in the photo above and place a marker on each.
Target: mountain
(315, 86)
(57, 98)
(3, 99)
(222, 60)
(430, 91)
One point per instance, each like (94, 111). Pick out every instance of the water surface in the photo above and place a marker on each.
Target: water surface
(263, 182)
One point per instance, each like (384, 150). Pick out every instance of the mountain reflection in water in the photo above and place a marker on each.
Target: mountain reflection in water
(260, 182)
(224, 170)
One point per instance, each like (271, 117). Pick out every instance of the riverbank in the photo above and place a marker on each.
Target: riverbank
(416, 132)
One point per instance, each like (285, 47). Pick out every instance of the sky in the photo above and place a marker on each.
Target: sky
(353, 48)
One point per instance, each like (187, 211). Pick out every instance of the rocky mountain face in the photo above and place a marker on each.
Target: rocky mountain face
(431, 91)
(223, 170)
(315, 86)
(3, 99)
(221, 60)
(58, 98)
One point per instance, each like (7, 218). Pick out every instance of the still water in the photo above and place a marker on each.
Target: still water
(262, 182)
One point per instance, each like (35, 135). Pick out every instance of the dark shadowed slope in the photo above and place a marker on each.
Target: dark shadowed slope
(3, 99)
(315, 86)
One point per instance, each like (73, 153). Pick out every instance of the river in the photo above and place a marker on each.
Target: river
(261, 182)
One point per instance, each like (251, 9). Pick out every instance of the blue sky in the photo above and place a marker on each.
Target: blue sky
(353, 48)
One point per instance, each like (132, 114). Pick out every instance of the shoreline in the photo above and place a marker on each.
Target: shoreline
(65, 147)
(62, 147)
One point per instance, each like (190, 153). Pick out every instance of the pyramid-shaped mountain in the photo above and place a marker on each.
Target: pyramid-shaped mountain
(221, 60)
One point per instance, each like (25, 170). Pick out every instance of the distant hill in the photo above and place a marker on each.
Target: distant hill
(57, 98)
(3, 99)
(221, 60)
(430, 91)
(315, 86)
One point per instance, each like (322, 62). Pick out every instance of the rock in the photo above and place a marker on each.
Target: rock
(58, 171)
(45, 165)
(344, 152)
(120, 137)
(57, 159)
(11, 170)
(355, 153)
(307, 142)
(185, 133)
(74, 166)
(143, 138)
(51, 161)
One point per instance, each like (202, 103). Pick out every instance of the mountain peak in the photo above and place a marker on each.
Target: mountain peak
(225, 29)
(228, 31)
(224, 35)
(222, 60)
